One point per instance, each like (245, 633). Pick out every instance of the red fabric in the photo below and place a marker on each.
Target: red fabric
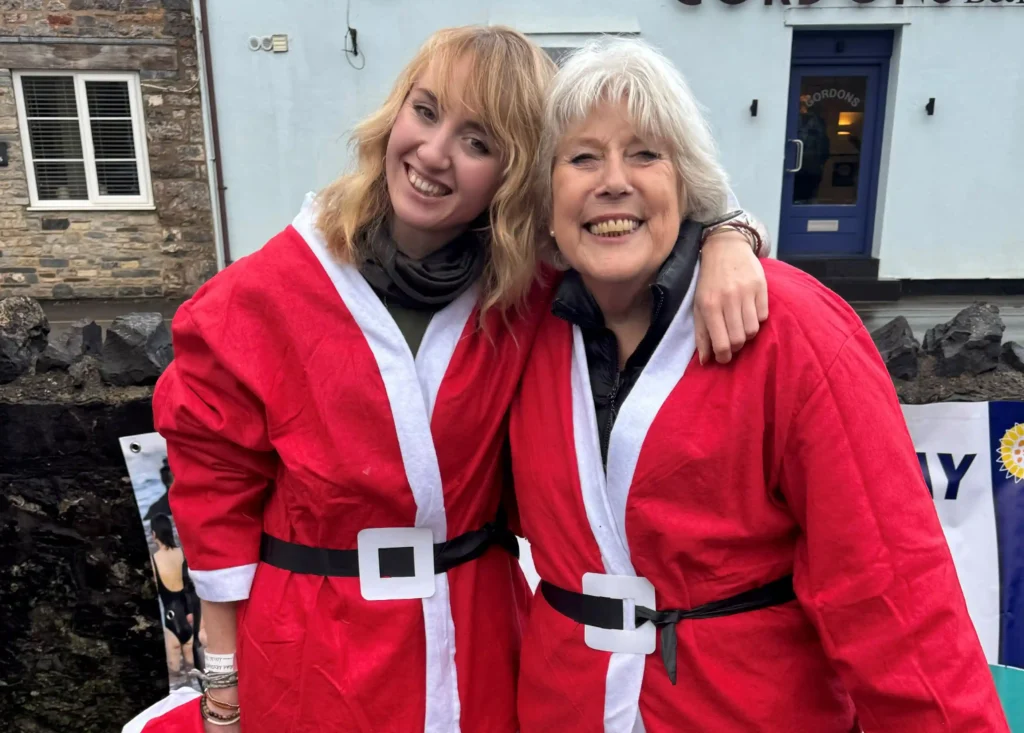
(277, 419)
(795, 458)
(182, 719)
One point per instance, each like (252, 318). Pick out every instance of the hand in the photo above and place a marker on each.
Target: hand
(731, 298)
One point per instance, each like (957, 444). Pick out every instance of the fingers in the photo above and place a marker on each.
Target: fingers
(733, 314)
(728, 322)
(717, 328)
(751, 323)
(702, 337)
(761, 301)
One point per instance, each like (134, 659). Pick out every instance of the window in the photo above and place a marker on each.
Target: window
(85, 147)
(557, 53)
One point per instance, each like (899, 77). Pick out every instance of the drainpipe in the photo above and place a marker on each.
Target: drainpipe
(209, 107)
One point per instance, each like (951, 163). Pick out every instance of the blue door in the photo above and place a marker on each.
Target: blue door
(833, 142)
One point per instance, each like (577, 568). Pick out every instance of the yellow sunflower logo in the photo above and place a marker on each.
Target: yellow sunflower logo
(1011, 452)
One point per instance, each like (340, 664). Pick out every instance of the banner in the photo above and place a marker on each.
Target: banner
(146, 458)
(972, 457)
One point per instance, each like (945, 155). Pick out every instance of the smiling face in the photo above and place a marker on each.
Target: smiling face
(442, 167)
(615, 199)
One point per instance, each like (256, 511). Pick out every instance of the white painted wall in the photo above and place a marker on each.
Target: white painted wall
(950, 182)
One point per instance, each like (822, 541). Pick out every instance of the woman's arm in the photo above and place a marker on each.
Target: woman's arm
(732, 295)
(872, 570)
(220, 454)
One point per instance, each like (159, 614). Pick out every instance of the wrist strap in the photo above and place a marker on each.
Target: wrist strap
(219, 663)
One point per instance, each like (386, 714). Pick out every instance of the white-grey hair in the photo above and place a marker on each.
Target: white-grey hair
(658, 100)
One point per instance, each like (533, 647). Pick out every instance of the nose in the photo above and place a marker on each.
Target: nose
(615, 177)
(433, 151)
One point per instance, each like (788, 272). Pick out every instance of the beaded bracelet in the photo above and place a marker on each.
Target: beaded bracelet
(747, 230)
(217, 718)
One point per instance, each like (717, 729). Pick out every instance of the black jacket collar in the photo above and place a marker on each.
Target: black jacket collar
(574, 303)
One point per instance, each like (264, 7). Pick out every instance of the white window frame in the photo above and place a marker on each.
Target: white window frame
(95, 202)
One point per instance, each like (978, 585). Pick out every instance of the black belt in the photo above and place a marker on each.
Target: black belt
(395, 562)
(607, 613)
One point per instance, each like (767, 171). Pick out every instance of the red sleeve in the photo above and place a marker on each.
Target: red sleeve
(873, 570)
(218, 448)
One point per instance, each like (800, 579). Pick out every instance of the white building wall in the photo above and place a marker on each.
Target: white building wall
(950, 183)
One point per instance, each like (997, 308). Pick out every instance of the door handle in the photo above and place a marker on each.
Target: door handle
(799, 155)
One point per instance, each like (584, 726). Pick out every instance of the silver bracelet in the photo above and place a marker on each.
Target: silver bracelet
(215, 680)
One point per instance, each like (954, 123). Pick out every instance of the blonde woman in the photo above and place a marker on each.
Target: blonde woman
(336, 413)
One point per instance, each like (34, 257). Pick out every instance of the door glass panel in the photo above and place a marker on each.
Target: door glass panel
(831, 127)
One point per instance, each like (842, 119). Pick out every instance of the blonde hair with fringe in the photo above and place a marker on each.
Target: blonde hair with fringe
(507, 81)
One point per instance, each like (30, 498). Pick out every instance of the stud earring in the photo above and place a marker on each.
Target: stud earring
(552, 233)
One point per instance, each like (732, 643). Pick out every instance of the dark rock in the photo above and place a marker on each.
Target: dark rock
(969, 343)
(85, 338)
(63, 291)
(55, 225)
(56, 357)
(23, 333)
(1013, 355)
(80, 339)
(138, 348)
(85, 371)
(898, 347)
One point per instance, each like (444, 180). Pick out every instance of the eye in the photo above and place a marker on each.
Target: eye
(648, 155)
(479, 146)
(582, 158)
(425, 112)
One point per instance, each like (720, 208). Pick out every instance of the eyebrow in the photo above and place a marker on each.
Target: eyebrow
(470, 125)
(431, 97)
(594, 142)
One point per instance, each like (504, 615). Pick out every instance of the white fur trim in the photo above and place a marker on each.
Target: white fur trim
(411, 395)
(605, 496)
(225, 585)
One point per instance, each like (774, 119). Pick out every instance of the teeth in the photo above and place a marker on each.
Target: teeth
(426, 187)
(613, 227)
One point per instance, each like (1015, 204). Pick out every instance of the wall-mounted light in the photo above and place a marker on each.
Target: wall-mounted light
(753, 108)
(930, 107)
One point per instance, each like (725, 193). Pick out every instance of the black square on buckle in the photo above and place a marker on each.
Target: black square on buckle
(397, 562)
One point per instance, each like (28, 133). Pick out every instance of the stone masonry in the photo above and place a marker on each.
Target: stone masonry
(165, 252)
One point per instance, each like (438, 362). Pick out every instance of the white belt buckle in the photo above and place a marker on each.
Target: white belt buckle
(370, 542)
(634, 592)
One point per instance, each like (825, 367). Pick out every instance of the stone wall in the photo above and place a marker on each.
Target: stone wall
(108, 254)
(82, 644)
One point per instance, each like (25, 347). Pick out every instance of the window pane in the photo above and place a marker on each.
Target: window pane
(55, 139)
(112, 139)
(831, 129)
(118, 179)
(108, 99)
(49, 96)
(61, 181)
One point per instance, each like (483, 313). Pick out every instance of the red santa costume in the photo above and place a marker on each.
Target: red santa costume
(791, 467)
(297, 417)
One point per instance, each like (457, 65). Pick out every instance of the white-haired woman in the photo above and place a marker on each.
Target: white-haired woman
(767, 521)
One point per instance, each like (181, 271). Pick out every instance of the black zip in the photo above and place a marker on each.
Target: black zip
(612, 410)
